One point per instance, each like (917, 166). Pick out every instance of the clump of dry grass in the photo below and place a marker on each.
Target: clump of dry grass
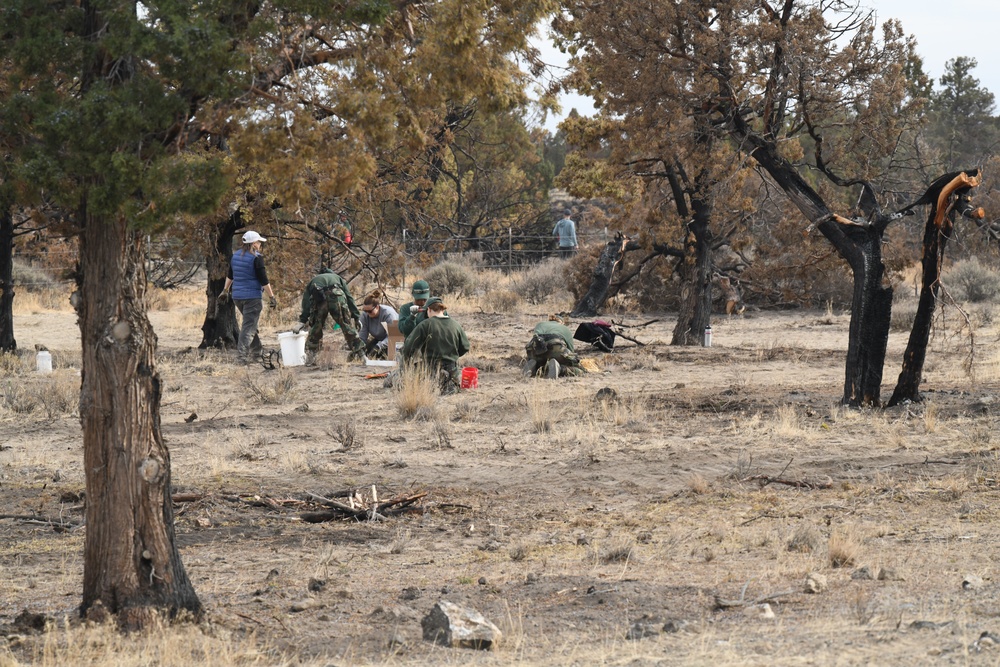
(844, 547)
(503, 301)
(620, 551)
(346, 433)
(697, 484)
(415, 391)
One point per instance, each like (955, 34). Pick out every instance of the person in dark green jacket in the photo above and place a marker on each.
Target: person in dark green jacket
(414, 312)
(438, 341)
(328, 294)
(550, 350)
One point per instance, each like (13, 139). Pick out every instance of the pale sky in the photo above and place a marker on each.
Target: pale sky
(970, 28)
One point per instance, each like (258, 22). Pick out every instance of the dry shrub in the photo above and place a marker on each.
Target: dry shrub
(502, 301)
(55, 395)
(902, 317)
(346, 433)
(617, 552)
(971, 281)
(450, 278)
(806, 538)
(271, 388)
(416, 390)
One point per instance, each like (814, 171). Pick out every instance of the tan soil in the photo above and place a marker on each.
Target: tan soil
(648, 508)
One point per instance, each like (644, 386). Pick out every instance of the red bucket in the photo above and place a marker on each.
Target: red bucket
(470, 378)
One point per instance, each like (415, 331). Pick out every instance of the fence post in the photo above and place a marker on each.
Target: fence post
(510, 250)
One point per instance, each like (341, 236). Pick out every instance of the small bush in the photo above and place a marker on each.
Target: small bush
(902, 317)
(31, 278)
(450, 278)
(541, 281)
(271, 389)
(972, 281)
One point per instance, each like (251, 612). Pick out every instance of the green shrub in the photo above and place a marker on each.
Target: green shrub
(450, 278)
(971, 281)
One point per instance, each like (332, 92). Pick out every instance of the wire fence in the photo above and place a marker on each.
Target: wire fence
(506, 252)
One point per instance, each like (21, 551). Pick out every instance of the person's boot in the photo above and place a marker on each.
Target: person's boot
(552, 369)
(530, 368)
(311, 357)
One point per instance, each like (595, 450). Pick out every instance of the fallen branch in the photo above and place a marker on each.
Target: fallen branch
(818, 483)
(722, 603)
(40, 520)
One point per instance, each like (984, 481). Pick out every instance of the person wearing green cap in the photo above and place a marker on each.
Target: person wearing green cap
(414, 312)
(438, 341)
(550, 350)
(327, 294)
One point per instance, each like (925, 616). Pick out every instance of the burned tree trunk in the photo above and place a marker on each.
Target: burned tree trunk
(612, 254)
(860, 244)
(7, 341)
(695, 311)
(221, 328)
(132, 568)
(937, 231)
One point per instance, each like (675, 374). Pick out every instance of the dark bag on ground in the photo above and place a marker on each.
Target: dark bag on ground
(599, 335)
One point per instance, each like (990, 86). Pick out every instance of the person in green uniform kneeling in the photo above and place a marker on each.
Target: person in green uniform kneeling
(328, 294)
(438, 341)
(550, 351)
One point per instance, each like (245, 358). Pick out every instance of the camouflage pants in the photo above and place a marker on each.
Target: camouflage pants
(333, 303)
(541, 348)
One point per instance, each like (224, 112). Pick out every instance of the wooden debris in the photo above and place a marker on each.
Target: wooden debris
(814, 483)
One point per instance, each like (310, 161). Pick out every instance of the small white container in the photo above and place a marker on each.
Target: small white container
(43, 361)
(708, 336)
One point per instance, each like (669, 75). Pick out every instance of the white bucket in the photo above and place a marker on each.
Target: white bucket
(293, 348)
(43, 361)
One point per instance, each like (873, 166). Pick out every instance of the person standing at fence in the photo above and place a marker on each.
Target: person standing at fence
(375, 314)
(328, 294)
(438, 341)
(413, 313)
(565, 232)
(246, 282)
(550, 351)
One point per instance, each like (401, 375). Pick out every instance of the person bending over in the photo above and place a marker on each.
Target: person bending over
(550, 351)
(327, 294)
(372, 333)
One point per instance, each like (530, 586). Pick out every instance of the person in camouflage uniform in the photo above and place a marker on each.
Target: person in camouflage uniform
(328, 294)
(438, 341)
(550, 350)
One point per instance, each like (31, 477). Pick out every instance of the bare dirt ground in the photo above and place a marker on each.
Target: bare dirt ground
(720, 476)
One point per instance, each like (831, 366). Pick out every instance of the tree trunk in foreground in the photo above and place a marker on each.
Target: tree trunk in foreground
(605, 269)
(937, 231)
(7, 341)
(131, 564)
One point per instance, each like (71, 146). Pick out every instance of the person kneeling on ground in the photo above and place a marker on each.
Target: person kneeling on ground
(438, 342)
(373, 334)
(550, 351)
(327, 294)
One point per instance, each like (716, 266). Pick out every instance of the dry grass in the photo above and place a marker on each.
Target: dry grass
(271, 388)
(415, 392)
(540, 411)
(844, 547)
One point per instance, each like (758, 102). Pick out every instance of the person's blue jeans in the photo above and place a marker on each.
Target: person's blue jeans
(250, 309)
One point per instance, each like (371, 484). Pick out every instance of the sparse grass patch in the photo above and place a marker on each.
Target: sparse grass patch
(697, 484)
(270, 388)
(619, 551)
(54, 395)
(540, 411)
(806, 539)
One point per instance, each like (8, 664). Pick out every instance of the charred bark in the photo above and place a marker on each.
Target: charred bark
(132, 568)
(610, 257)
(220, 329)
(937, 231)
(695, 310)
(7, 340)
(860, 244)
